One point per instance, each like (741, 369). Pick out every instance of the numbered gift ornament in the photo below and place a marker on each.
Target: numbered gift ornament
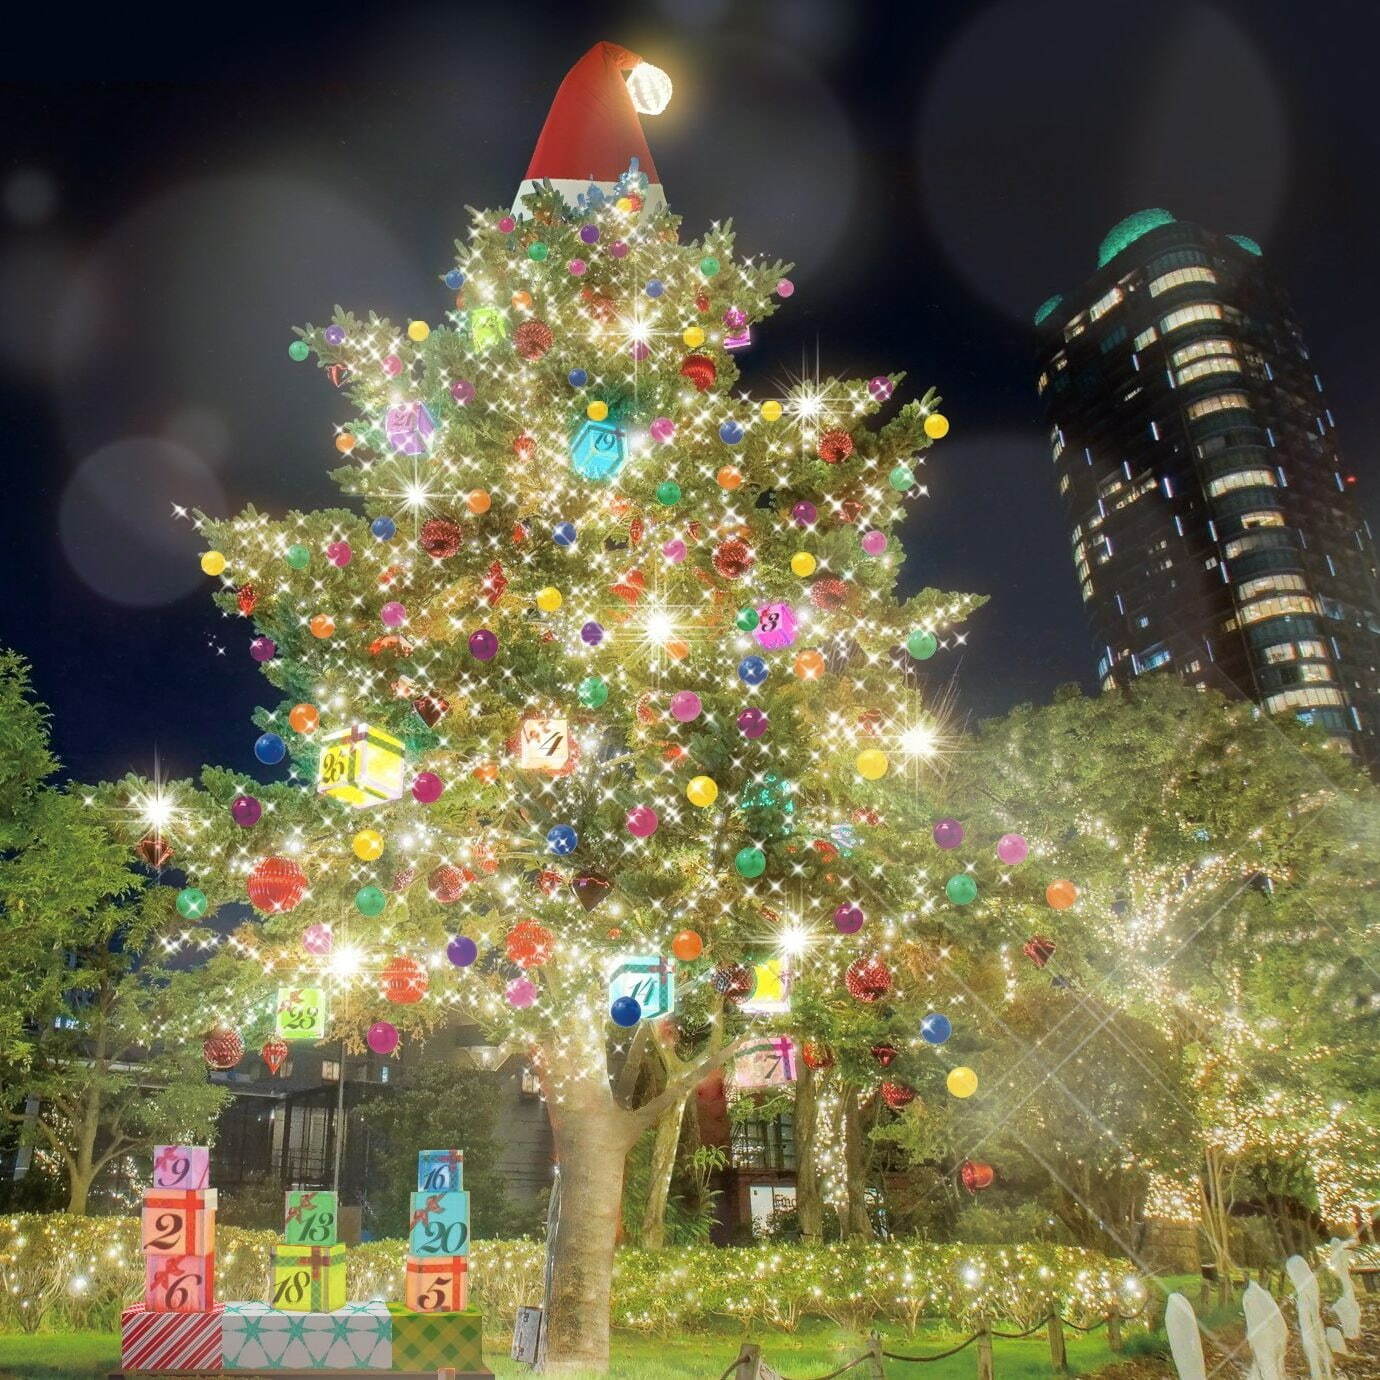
(771, 993)
(598, 448)
(768, 1063)
(181, 1166)
(775, 626)
(649, 979)
(309, 1279)
(300, 1013)
(439, 1224)
(361, 765)
(309, 1218)
(543, 743)
(410, 427)
(436, 1284)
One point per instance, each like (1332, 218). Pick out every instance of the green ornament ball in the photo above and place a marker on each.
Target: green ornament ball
(537, 250)
(297, 556)
(961, 889)
(922, 645)
(298, 350)
(709, 266)
(750, 862)
(593, 692)
(191, 903)
(746, 620)
(668, 492)
(369, 900)
(901, 478)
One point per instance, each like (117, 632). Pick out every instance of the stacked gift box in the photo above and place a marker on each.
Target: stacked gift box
(438, 1235)
(178, 1324)
(309, 1262)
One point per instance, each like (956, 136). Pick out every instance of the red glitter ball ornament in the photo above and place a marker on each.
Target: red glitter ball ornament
(246, 599)
(600, 307)
(524, 447)
(817, 1056)
(1038, 950)
(897, 1095)
(867, 979)
(153, 849)
(403, 878)
(829, 594)
(533, 339)
(733, 558)
(835, 446)
(223, 1048)
(440, 537)
(447, 883)
(733, 981)
(495, 584)
(404, 981)
(700, 370)
(275, 885)
(529, 944)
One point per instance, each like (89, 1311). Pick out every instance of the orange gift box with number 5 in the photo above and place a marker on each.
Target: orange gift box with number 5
(437, 1284)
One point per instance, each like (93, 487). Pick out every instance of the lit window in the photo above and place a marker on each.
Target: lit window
(1241, 479)
(1105, 303)
(1269, 584)
(1200, 349)
(1266, 517)
(1075, 327)
(1217, 402)
(1200, 369)
(1314, 697)
(1186, 316)
(1179, 277)
(1147, 337)
(1043, 382)
(1273, 608)
(1063, 484)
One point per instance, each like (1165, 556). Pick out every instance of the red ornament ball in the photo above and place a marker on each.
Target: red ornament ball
(529, 944)
(829, 593)
(404, 981)
(222, 1048)
(246, 599)
(700, 370)
(733, 558)
(817, 1056)
(447, 883)
(524, 447)
(440, 537)
(867, 979)
(533, 339)
(897, 1095)
(275, 885)
(274, 1053)
(976, 1175)
(835, 446)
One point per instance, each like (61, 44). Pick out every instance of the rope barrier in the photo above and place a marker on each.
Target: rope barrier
(938, 1356)
(1029, 1332)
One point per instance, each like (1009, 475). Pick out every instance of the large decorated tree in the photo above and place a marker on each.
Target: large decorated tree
(598, 720)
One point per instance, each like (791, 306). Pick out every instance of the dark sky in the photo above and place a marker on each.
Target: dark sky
(185, 195)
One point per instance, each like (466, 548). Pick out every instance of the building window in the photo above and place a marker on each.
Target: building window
(1315, 697)
(1256, 541)
(1043, 382)
(1272, 608)
(1186, 316)
(1241, 479)
(1175, 258)
(764, 1144)
(1269, 584)
(330, 1071)
(1075, 327)
(1265, 517)
(1146, 337)
(1178, 277)
(1203, 368)
(1151, 660)
(1105, 303)
(1063, 484)
(1217, 402)
(1201, 349)
(1113, 339)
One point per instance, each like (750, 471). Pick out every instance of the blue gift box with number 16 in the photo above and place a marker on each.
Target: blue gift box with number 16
(440, 1171)
(439, 1224)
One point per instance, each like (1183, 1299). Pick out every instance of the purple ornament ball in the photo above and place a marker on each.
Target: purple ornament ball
(427, 788)
(521, 993)
(881, 387)
(592, 633)
(462, 390)
(618, 249)
(752, 722)
(462, 951)
(263, 649)
(589, 234)
(948, 833)
(335, 335)
(483, 644)
(642, 821)
(685, 706)
(848, 918)
(1012, 849)
(246, 811)
(674, 550)
(382, 1037)
(805, 513)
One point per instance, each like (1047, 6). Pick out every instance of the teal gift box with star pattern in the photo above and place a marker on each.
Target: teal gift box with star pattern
(356, 1337)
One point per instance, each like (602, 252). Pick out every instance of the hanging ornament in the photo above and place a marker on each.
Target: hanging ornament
(533, 339)
(318, 940)
(867, 979)
(817, 1056)
(402, 879)
(829, 594)
(975, 1175)
(590, 888)
(732, 981)
(246, 811)
(961, 1081)
(961, 889)
(1038, 950)
(223, 1048)
(447, 883)
(275, 885)
(625, 1011)
(529, 944)
(382, 1037)
(192, 903)
(885, 1053)
(948, 833)
(404, 981)
(246, 599)
(897, 1095)
(687, 946)
(630, 586)
(462, 951)
(431, 709)
(1061, 895)
(935, 1028)
(849, 918)
(700, 370)
(440, 537)
(274, 1053)
(1012, 849)
(835, 446)
(154, 851)
(733, 558)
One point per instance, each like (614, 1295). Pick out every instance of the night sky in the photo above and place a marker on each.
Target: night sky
(184, 196)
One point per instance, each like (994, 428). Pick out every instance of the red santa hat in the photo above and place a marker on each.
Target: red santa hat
(592, 133)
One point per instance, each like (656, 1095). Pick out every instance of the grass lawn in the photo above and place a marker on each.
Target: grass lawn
(813, 1350)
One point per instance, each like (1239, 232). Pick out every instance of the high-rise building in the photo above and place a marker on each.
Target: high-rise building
(1213, 521)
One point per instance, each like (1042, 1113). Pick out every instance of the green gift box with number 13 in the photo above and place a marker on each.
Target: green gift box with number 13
(309, 1279)
(310, 1218)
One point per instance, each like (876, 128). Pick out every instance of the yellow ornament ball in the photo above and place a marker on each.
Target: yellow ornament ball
(771, 410)
(961, 1082)
(597, 411)
(872, 764)
(367, 845)
(549, 599)
(213, 563)
(418, 330)
(702, 791)
(693, 336)
(624, 204)
(936, 425)
(804, 564)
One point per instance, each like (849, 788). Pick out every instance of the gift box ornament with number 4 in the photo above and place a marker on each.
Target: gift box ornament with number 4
(439, 1224)
(440, 1171)
(357, 1336)
(179, 1221)
(181, 1166)
(309, 1279)
(310, 1218)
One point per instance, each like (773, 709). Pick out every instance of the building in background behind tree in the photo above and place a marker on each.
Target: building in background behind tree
(1213, 521)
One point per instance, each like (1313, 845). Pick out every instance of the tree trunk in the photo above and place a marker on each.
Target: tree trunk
(809, 1205)
(859, 1224)
(81, 1167)
(78, 1190)
(653, 1232)
(1216, 1211)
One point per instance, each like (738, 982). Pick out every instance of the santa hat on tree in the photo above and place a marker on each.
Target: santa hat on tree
(592, 134)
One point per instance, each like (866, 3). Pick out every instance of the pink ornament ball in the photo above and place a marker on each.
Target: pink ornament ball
(619, 249)
(578, 268)
(642, 821)
(318, 940)
(784, 287)
(392, 366)
(263, 649)
(639, 349)
(685, 706)
(881, 387)
(246, 811)
(521, 993)
(948, 833)
(874, 542)
(339, 553)
(805, 513)
(507, 224)
(752, 722)
(662, 429)
(427, 788)
(674, 550)
(1012, 849)
(393, 614)
(383, 1037)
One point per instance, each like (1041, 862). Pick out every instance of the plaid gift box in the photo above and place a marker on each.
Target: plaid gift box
(170, 1341)
(309, 1279)
(179, 1283)
(437, 1283)
(310, 1218)
(440, 1171)
(181, 1166)
(431, 1341)
(355, 1337)
(178, 1221)
(439, 1224)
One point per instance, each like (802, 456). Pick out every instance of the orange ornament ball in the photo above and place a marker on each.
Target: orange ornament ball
(322, 625)
(1061, 894)
(344, 443)
(522, 299)
(304, 718)
(479, 501)
(486, 773)
(730, 478)
(677, 649)
(809, 665)
(405, 981)
(687, 946)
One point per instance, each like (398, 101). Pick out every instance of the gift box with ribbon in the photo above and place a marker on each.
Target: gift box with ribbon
(439, 1224)
(170, 1341)
(410, 426)
(437, 1283)
(181, 1166)
(179, 1283)
(308, 1279)
(357, 1336)
(440, 1171)
(428, 1342)
(310, 1218)
(179, 1221)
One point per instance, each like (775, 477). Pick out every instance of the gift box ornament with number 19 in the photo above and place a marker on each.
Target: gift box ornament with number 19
(309, 1279)
(439, 1224)
(310, 1218)
(440, 1171)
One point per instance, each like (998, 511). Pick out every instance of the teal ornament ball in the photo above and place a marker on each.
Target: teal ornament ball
(961, 889)
(369, 900)
(750, 862)
(668, 493)
(922, 645)
(191, 903)
(593, 691)
(901, 478)
(298, 350)
(297, 556)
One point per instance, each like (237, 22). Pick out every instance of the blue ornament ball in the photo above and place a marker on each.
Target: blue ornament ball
(454, 280)
(563, 534)
(384, 528)
(270, 749)
(577, 378)
(655, 288)
(462, 951)
(561, 839)
(730, 433)
(752, 670)
(936, 1028)
(626, 1011)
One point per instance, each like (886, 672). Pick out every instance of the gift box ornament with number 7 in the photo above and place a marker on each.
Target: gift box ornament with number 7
(309, 1279)
(179, 1283)
(178, 1221)
(439, 1224)
(357, 1336)
(440, 1171)
(428, 1342)
(310, 1218)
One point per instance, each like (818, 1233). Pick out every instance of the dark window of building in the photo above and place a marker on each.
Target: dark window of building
(764, 1143)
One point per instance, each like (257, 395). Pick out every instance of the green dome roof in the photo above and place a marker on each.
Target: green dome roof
(1047, 306)
(1128, 231)
(1248, 244)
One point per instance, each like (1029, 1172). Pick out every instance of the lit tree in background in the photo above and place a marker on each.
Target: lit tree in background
(597, 708)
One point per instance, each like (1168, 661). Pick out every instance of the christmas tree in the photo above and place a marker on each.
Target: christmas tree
(600, 721)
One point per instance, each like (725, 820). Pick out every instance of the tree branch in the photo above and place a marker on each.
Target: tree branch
(716, 1054)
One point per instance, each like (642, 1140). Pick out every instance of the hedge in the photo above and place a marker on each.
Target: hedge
(59, 1272)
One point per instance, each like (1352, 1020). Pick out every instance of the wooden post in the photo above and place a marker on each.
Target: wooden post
(749, 1362)
(1114, 1331)
(1058, 1356)
(984, 1350)
(874, 1357)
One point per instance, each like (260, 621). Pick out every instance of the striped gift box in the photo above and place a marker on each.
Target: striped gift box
(170, 1341)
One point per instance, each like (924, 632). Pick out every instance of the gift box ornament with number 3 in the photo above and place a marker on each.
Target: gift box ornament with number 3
(439, 1224)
